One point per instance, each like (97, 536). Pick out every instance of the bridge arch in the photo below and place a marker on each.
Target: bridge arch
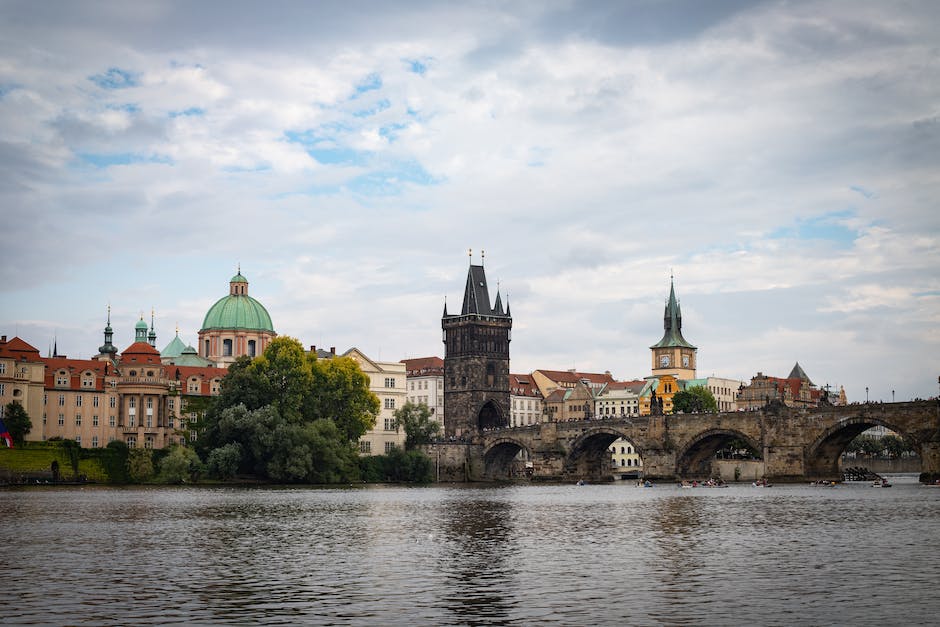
(589, 455)
(499, 456)
(824, 455)
(695, 459)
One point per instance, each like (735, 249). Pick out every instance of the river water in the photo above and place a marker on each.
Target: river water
(516, 555)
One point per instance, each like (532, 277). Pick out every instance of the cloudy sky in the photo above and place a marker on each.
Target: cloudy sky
(782, 159)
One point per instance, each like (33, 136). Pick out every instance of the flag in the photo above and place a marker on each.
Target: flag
(5, 435)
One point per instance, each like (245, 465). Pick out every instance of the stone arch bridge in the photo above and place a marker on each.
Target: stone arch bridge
(795, 444)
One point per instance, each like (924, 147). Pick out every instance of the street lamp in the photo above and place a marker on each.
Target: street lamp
(866, 394)
(892, 396)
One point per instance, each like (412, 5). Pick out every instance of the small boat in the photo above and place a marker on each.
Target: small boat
(647, 484)
(580, 482)
(881, 484)
(762, 483)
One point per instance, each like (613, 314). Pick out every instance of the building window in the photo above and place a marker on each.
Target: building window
(389, 447)
(94, 441)
(61, 400)
(78, 400)
(171, 404)
(78, 440)
(61, 420)
(94, 400)
(251, 348)
(390, 403)
(390, 424)
(226, 348)
(111, 421)
(130, 420)
(389, 382)
(149, 403)
(3, 367)
(170, 423)
(148, 442)
(113, 402)
(365, 446)
(94, 420)
(78, 420)
(131, 441)
(192, 436)
(149, 421)
(132, 402)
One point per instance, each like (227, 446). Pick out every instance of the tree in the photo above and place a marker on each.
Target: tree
(180, 465)
(17, 422)
(416, 420)
(140, 464)
(341, 393)
(223, 462)
(694, 400)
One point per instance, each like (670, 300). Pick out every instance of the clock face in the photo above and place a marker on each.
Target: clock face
(664, 361)
(685, 361)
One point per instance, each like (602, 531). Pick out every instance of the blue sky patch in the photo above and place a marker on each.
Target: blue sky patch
(192, 111)
(867, 193)
(416, 67)
(105, 160)
(391, 131)
(391, 180)
(6, 88)
(829, 226)
(381, 105)
(369, 83)
(326, 149)
(115, 78)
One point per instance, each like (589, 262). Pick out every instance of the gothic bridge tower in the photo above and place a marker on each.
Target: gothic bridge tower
(476, 360)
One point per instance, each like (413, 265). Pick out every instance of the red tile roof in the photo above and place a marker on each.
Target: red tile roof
(568, 376)
(18, 349)
(75, 369)
(140, 353)
(424, 366)
(523, 385)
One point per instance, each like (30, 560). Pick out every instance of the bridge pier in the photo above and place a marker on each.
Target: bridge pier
(930, 457)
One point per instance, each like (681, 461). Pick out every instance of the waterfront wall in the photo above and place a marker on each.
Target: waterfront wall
(749, 469)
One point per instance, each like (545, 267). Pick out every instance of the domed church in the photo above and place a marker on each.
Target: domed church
(235, 325)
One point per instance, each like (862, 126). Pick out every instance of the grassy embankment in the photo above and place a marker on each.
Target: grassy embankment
(30, 460)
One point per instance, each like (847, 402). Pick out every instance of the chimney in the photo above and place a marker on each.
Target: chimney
(333, 350)
(3, 338)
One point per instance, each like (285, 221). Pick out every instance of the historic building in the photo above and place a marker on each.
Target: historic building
(235, 325)
(426, 385)
(619, 399)
(724, 390)
(796, 390)
(574, 403)
(476, 360)
(550, 380)
(656, 395)
(673, 355)
(526, 401)
(131, 396)
(387, 380)
(22, 376)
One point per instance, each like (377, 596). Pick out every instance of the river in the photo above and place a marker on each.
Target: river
(460, 555)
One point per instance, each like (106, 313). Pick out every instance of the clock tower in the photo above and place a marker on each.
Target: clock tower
(672, 354)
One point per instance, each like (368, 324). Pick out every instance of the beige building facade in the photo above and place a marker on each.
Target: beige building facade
(425, 376)
(388, 381)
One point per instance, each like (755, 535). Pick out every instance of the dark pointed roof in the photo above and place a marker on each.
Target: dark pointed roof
(798, 373)
(476, 296)
(672, 323)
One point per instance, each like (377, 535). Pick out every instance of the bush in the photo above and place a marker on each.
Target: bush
(223, 462)
(180, 465)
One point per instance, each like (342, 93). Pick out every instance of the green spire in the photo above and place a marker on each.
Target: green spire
(672, 322)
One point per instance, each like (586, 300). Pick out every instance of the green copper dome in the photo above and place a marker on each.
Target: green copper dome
(238, 310)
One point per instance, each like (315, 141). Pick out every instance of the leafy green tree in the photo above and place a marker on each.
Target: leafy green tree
(283, 375)
(140, 465)
(114, 458)
(180, 465)
(696, 399)
(341, 393)
(416, 421)
(223, 462)
(409, 466)
(17, 422)
(894, 445)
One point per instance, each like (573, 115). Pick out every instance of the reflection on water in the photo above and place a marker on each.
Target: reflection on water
(561, 555)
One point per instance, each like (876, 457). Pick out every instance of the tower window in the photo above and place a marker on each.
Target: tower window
(227, 348)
